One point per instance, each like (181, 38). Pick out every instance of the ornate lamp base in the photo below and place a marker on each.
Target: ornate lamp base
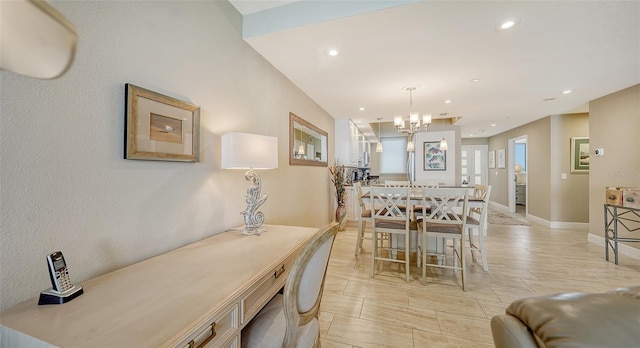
(253, 219)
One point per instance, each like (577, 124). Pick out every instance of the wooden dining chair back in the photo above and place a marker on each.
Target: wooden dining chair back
(442, 221)
(477, 223)
(390, 219)
(291, 319)
(364, 216)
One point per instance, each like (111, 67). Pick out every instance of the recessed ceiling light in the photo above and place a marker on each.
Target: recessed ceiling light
(333, 53)
(448, 101)
(493, 125)
(361, 109)
(508, 24)
(566, 91)
(475, 79)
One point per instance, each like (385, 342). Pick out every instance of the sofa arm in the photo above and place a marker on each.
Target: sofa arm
(509, 332)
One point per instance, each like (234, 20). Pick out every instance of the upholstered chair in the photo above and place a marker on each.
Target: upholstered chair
(291, 319)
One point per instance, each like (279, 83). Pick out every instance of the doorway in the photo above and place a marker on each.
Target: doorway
(517, 178)
(474, 164)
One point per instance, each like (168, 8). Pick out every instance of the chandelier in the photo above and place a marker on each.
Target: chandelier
(414, 121)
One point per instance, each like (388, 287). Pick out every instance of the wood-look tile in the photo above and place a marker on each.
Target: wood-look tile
(524, 261)
(378, 292)
(445, 303)
(461, 326)
(408, 316)
(341, 304)
(423, 339)
(367, 333)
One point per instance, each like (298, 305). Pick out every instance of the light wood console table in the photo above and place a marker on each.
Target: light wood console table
(177, 299)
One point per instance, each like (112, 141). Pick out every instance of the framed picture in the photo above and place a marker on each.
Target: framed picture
(579, 155)
(434, 158)
(502, 162)
(492, 159)
(160, 128)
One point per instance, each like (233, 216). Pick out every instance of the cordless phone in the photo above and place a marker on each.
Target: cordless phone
(58, 272)
(61, 290)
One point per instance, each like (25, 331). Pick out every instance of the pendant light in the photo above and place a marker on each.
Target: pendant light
(443, 143)
(379, 145)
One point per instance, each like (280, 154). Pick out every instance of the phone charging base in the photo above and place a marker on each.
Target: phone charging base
(51, 296)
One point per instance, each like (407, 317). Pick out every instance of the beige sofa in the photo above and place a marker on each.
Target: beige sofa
(610, 319)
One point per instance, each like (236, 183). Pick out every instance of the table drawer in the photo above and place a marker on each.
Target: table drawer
(216, 332)
(267, 287)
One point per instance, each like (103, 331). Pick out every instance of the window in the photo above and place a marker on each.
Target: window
(393, 159)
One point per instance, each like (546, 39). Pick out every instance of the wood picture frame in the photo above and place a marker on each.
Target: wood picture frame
(492, 159)
(160, 128)
(580, 155)
(434, 158)
(502, 160)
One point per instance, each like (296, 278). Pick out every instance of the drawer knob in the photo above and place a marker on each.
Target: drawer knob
(612, 196)
(278, 272)
(630, 199)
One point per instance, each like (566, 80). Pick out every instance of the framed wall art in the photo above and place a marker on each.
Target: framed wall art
(579, 155)
(492, 159)
(434, 158)
(502, 161)
(160, 128)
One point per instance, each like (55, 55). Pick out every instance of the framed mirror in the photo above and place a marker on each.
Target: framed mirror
(307, 143)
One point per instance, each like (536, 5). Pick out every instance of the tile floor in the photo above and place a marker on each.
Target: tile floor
(385, 311)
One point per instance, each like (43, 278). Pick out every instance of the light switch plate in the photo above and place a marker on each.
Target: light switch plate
(564, 176)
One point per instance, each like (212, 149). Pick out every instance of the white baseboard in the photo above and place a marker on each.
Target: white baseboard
(543, 222)
(622, 249)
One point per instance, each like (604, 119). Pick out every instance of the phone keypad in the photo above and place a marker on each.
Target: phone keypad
(63, 280)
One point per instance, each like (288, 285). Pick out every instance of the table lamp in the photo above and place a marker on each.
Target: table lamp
(250, 151)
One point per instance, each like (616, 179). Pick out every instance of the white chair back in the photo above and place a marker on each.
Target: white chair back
(303, 289)
(396, 183)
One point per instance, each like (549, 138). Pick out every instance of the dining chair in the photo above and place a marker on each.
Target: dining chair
(477, 222)
(291, 319)
(442, 221)
(419, 185)
(397, 183)
(364, 216)
(390, 220)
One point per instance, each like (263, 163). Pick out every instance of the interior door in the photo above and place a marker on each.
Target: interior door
(474, 164)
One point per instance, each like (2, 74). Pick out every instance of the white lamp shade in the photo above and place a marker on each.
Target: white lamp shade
(414, 118)
(426, 119)
(244, 151)
(443, 145)
(36, 40)
(379, 147)
(410, 146)
(398, 121)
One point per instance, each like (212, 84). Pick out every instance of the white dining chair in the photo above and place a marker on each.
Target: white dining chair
(390, 220)
(291, 319)
(397, 183)
(477, 222)
(442, 221)
(364, 216)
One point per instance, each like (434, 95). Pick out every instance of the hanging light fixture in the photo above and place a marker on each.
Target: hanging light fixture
(414, 121)
(379, 145)
(443, 143)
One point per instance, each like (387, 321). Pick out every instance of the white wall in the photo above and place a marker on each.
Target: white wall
(448, 176)
(64, 184)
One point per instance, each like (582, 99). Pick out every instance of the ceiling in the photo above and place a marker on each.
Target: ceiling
(589, 48)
